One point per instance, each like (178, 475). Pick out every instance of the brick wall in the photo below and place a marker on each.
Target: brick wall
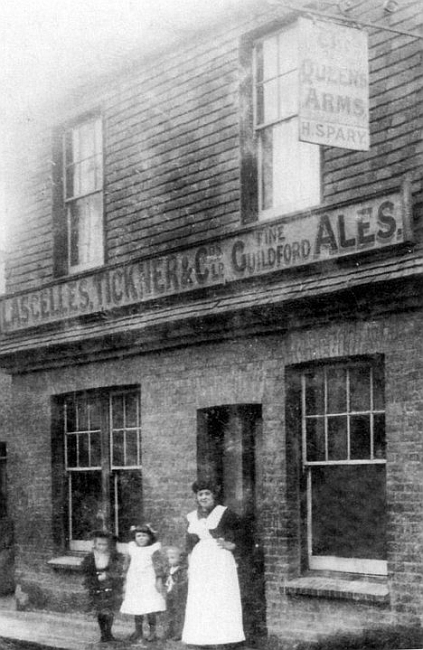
(173, 386)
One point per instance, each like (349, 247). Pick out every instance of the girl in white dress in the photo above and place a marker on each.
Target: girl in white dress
(213, 613)
(144, 581)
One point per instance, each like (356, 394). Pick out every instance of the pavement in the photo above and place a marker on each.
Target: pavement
(69, 631)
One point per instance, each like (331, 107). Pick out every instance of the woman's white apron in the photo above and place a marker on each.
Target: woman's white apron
(213, 612)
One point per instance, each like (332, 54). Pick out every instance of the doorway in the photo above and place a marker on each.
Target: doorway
(228, 449)
(7, 566)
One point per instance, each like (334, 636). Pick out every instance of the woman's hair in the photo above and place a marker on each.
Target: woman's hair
(102, 534)
(206, 484)
(144, 528)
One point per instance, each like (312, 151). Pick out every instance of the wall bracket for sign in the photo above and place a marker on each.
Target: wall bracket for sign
(343, 19)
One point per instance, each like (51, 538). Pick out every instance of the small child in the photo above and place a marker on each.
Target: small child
(144, 581)
(103, 579)
(176, 593)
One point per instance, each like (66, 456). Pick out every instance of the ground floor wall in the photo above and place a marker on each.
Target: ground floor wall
(174, 386)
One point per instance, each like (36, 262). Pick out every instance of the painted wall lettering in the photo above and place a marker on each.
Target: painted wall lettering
(334, 88)
(263, 249)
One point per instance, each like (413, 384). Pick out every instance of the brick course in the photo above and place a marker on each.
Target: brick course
(173, 386)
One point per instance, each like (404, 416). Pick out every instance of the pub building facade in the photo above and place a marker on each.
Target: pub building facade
(217, 267)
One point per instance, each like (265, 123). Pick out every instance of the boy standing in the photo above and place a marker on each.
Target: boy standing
(176, 585)
(103, 570)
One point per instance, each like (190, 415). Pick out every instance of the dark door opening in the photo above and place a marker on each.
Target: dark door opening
(228, 448)
(7, 567)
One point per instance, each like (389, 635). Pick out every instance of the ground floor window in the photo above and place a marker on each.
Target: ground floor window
(101, 433)
(343, 460)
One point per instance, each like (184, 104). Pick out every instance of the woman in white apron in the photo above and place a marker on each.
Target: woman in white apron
(213, 613)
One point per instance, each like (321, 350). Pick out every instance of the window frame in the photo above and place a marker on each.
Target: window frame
(110, 471)
(260, 128)
(62, 265)
(328, 562)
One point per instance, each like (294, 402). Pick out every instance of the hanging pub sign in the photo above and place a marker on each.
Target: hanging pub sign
(334, 85)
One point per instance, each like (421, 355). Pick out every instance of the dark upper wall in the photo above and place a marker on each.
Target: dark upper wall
(172, 144)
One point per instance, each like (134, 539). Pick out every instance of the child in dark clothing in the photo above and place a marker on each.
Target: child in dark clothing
(176, 585)
(103, 579)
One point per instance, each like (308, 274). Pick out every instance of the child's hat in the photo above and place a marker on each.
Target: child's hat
(144, 528)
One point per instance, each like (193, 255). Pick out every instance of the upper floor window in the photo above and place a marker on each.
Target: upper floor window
(83, 194)
(288, 170)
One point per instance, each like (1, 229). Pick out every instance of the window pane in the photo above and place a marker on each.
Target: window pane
(94, 409)
(131, 410)
(69, 148)
(259, 105)
(315, 392)
(131, 448)
(288, 50)
(128, 501)
(267, 168)
(296, 169)
(86, 511)
(72, 181)
(82, 412)
(118, 452)
(288, 95)
(71, 450)
(337, 438)
(70, 420)
(76, 144)
(315, 433)
(86, 139)
(378, 388)
(95, 444)
(379, 439)
(337, 394)
(84, 445)
(345, 521)
(83, 156)
(86, 230)
(270, 58)
(360, 437)
(270, 91)
(87, 174)
(259, 63)
(117, 412)
(359, 389)
(286, 173)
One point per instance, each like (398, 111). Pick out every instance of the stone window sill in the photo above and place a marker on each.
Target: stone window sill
(358, 589)
(67, 562)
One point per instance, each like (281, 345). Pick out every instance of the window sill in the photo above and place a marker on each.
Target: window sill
(342, 588)
(67, 562)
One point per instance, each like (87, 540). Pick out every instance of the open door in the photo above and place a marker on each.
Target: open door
(228, 443)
